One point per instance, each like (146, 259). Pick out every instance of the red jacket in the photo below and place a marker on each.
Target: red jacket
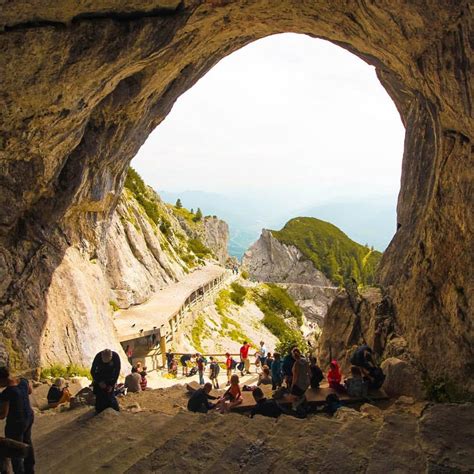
(334, 375)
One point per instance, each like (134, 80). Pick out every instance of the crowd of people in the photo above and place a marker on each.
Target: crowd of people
(294, 374)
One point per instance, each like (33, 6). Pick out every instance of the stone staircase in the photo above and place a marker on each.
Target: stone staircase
(398, 440)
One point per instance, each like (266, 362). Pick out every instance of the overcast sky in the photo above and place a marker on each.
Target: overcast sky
(288, 115)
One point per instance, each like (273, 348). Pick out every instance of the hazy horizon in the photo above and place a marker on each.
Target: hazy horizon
(292, 121)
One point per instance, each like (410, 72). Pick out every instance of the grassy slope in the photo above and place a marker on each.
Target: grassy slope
(331, 251)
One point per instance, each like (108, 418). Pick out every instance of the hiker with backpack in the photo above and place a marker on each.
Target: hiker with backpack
(230, 365)
(214, 372)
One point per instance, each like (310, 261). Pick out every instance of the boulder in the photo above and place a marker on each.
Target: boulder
(402, 378)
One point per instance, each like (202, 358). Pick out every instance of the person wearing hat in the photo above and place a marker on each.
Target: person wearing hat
(105, 371)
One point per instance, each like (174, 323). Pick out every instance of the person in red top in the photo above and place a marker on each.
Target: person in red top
(335, 377)
(228, 366)
(244, 357)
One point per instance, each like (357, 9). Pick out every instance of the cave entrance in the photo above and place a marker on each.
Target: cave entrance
(78, 106)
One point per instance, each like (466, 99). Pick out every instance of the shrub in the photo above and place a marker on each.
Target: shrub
(198, 248)
(237, 295)
(245, 274)
(198, 215)
(114, 305)
(71, 370)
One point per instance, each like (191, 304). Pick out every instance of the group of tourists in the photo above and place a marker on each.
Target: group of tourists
(136, 380)
(294, 373)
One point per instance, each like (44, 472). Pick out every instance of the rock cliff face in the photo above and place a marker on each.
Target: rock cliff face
(83, 86)
(269, 260)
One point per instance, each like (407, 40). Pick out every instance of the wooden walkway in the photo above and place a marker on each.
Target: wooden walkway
(314, 397)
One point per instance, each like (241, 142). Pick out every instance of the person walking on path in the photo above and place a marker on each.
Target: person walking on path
(214, 372)
(263, 353)
(105, 371)
(199, 401)
(244, 357)
(15, 407)
(200, 367)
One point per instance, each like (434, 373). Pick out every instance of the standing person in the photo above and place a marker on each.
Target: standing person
(229, 363)
(244, 357)
(277, 376)
(316, 373)
(132, 381)
(169, 360)
(363, 358)
(301, 378)
(269, 360)
(199, 401)
(214, 372)
(263, 353)
(15, 407)
(334, 377)
(287, 367)
(200, 367)
(105, 371)
(143, 379)
(185, 360)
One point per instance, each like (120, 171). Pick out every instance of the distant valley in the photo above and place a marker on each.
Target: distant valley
(370, 221)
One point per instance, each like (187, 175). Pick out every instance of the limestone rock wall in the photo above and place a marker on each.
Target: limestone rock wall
(216, 237)
(83, 86)
(269, 260)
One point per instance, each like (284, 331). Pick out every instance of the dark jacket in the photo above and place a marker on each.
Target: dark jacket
(106, 372)
(199, 401)
(266, 407)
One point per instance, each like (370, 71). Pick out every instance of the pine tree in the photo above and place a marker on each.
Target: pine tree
(198, 215)
(178, 204)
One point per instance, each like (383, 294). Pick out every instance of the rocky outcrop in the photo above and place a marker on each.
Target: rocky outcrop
(402, 379)
(216, 237)
(270, 260)
(83, 86)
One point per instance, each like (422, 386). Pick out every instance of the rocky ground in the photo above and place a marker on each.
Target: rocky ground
(153, 433)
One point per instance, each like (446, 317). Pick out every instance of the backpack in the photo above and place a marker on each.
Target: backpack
(193, 371)
(215, 369)
(378, 378)
(357, 387)
(240, 366)
(233, 364)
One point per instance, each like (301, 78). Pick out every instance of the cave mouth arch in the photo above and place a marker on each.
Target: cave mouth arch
(288, 125)
(82, 89)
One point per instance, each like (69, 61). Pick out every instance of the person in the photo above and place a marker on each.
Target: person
(200, 367)
(229, 363)
(332, 404)
(376, 378)
(174, 366)
(277, 378)
(265, 378)
(169, 360)
(257, 361)
(232, 397)
(269, 360)
(132, 381)
(287, 367)
(300, 378)
(129, 352)
(263, 353)
(263, 406)
(199, 401)
(143, 379)
(185, 360)
(316, 373)
(15, 407)
(105, 371)
(334, 377)
(363, 358)
(355, 385)
(58, 393)
(214, 372)
(244, 357)
(139, 367)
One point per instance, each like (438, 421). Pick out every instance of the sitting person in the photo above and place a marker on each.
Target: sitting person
(332, 404)
(58, 393)
(232, 397)
(356, 386)
(375, 377)
(143, 381)
(199, 401)
(173, 370)
(316, 373)
(335, 377)
(265, 378)
(132, 381)
(264, 406)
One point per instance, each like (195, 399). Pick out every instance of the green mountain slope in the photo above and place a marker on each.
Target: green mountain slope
(331, 251)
